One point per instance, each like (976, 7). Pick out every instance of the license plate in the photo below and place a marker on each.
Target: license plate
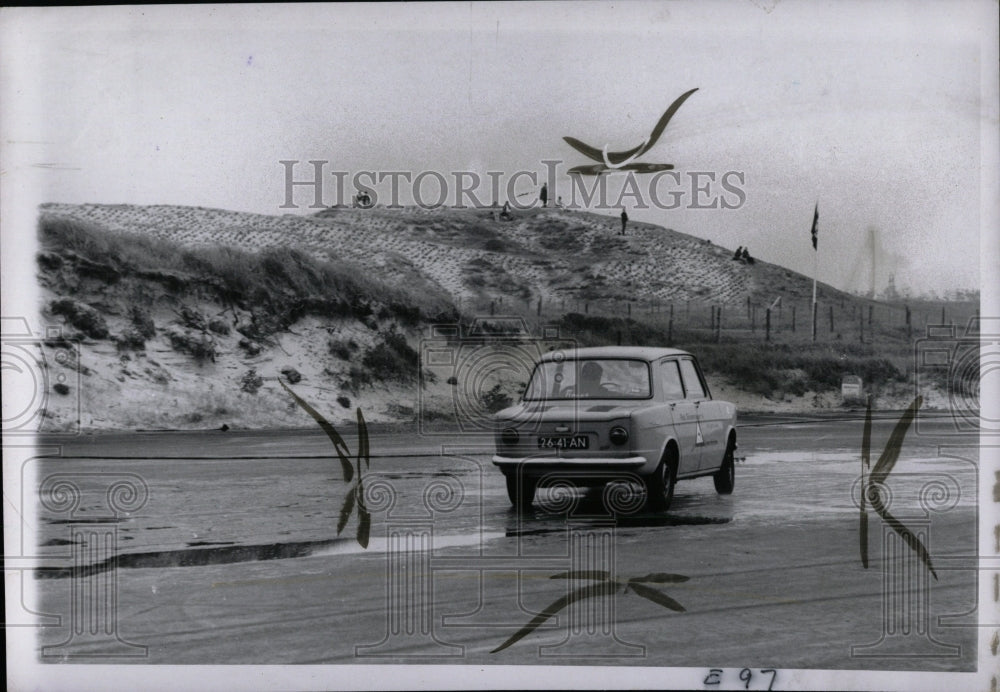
(564, 442)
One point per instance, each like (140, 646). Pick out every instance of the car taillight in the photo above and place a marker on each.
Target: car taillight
(618, 435)
(509, 436)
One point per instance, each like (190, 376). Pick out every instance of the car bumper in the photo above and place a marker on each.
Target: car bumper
(588, 465)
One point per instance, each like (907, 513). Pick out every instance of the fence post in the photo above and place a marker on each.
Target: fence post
(748, 307)
(942, 315)
(753, 320)
(831, 319)
(862, 338)
(793, 318)
(909, 328)
(493, 307)
(539, 305)
(670, 327)
(767, 328)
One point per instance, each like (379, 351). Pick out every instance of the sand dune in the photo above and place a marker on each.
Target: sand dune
(552, 254)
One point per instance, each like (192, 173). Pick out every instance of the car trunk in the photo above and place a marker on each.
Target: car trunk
(572, 429)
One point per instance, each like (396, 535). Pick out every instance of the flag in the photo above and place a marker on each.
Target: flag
(815, 230)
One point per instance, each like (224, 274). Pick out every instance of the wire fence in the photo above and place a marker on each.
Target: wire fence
(847, 319)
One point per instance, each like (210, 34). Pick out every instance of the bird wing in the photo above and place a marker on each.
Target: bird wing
(616, 158)
(661, 125)
(599, 169)
(592, 169)
(585, 149)
(647, 167)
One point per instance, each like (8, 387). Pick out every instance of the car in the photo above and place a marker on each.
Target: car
(597, 415)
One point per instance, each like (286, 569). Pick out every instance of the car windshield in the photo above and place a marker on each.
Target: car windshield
(594, 378)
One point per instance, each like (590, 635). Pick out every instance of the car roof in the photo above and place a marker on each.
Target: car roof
(649, 353)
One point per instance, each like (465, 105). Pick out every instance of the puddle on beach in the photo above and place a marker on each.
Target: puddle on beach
(228, 554)
(764, 456)
(381, 545)
(193, 544)
(198, 554)
(399, 475)
(628, 522)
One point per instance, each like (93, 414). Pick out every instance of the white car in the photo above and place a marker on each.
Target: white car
(596, 415)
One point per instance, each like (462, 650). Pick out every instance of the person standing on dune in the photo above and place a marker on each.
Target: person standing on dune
(624, 222)
(543, 196)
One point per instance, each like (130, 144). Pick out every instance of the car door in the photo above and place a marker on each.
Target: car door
(683, 413)
(711, 426)
(714, 420)
(696, 394)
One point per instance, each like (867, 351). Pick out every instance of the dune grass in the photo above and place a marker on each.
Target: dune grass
(279, 285)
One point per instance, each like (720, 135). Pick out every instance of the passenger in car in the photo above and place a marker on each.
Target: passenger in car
(590, 380)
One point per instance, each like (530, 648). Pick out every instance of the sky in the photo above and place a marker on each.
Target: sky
(876, 112)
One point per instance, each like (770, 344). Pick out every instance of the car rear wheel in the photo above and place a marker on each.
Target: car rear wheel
(660, 486)
(725, 477)
(520, 490)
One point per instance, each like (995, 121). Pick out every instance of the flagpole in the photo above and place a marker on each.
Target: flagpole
(815, 264)
(815, 269)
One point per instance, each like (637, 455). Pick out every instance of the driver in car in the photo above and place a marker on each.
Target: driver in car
(590, 380)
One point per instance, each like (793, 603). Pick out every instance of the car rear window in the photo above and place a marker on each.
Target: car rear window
(592, 378)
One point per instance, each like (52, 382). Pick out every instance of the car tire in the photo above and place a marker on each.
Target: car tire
(725, 477)
(520, 490)
(660, 486)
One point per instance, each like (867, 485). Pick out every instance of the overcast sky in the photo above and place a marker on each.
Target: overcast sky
(872, 110)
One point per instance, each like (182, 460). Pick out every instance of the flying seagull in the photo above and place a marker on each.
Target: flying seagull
(623, 160)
